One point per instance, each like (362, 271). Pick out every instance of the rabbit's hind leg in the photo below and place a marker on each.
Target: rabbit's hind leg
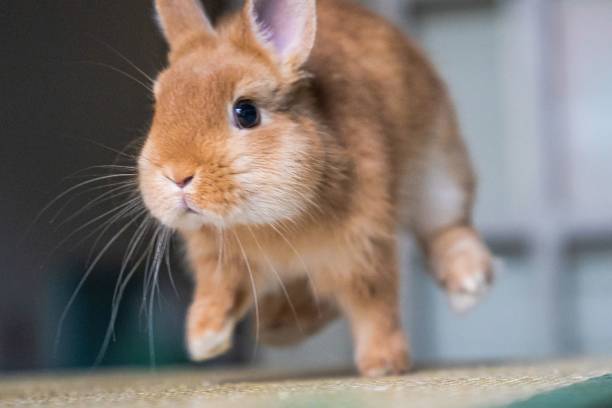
(440, 205)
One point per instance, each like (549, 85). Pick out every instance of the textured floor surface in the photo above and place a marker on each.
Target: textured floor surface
(477, 386)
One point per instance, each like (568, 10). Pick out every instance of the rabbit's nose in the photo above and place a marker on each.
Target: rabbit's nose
(180, 177)
(184, 182)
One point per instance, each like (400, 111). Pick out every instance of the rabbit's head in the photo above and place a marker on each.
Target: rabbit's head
(233, 138)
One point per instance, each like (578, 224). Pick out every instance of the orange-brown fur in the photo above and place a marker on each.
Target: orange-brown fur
(298, 216)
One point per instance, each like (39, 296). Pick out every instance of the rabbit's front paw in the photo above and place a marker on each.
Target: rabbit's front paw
(209, 331)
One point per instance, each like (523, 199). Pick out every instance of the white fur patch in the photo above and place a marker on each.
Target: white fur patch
(473, 286)
(443, 198)
(211, 343)
(188, 222)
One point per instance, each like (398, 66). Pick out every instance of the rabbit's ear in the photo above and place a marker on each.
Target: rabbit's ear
(287, 27)
(181, 18)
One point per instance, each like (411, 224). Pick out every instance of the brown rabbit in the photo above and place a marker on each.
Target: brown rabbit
(288, 145)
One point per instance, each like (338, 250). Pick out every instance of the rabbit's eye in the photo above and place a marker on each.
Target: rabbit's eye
(246, 114)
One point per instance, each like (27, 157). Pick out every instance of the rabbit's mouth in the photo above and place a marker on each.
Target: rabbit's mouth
(189, 216)
(188, 206)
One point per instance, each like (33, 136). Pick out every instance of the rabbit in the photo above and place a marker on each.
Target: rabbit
(289, 144)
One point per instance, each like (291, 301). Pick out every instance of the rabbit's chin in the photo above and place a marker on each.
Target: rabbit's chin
(184, 219)
(190, 220)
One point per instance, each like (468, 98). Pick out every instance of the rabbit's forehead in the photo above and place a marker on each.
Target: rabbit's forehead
(210, 93)
(212, 74)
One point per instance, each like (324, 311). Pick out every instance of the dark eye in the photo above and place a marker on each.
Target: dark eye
(246, 114)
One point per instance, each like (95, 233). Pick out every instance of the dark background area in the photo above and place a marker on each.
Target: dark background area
(66, 107)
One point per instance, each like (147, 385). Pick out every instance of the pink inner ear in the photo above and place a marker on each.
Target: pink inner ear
(281, 21)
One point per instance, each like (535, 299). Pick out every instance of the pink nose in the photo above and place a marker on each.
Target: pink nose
(179, 174)
(184, 182)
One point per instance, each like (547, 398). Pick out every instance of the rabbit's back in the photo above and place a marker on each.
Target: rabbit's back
(377, 90)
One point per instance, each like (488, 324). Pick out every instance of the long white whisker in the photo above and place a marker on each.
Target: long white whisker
(123, 168)
(120, 71)
(254, 289)
(131, 208)
(221, 248)
(63, 194)
(169, 267)
(157, 260)
(150, 277)
(165, 237)
(102, 198)
(120, 289)
(103, 146)
(280, 281)
(315, 292)
(147, 271)
(126, 59)
(107, 167)
(121, 210)
(131, 248)
(84, 278)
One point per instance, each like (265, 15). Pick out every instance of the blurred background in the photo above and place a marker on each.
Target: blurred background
(532, 81)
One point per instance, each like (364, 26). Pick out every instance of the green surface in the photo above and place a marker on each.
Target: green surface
(593, 393)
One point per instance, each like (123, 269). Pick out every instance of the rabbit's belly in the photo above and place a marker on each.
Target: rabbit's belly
(321, 262)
